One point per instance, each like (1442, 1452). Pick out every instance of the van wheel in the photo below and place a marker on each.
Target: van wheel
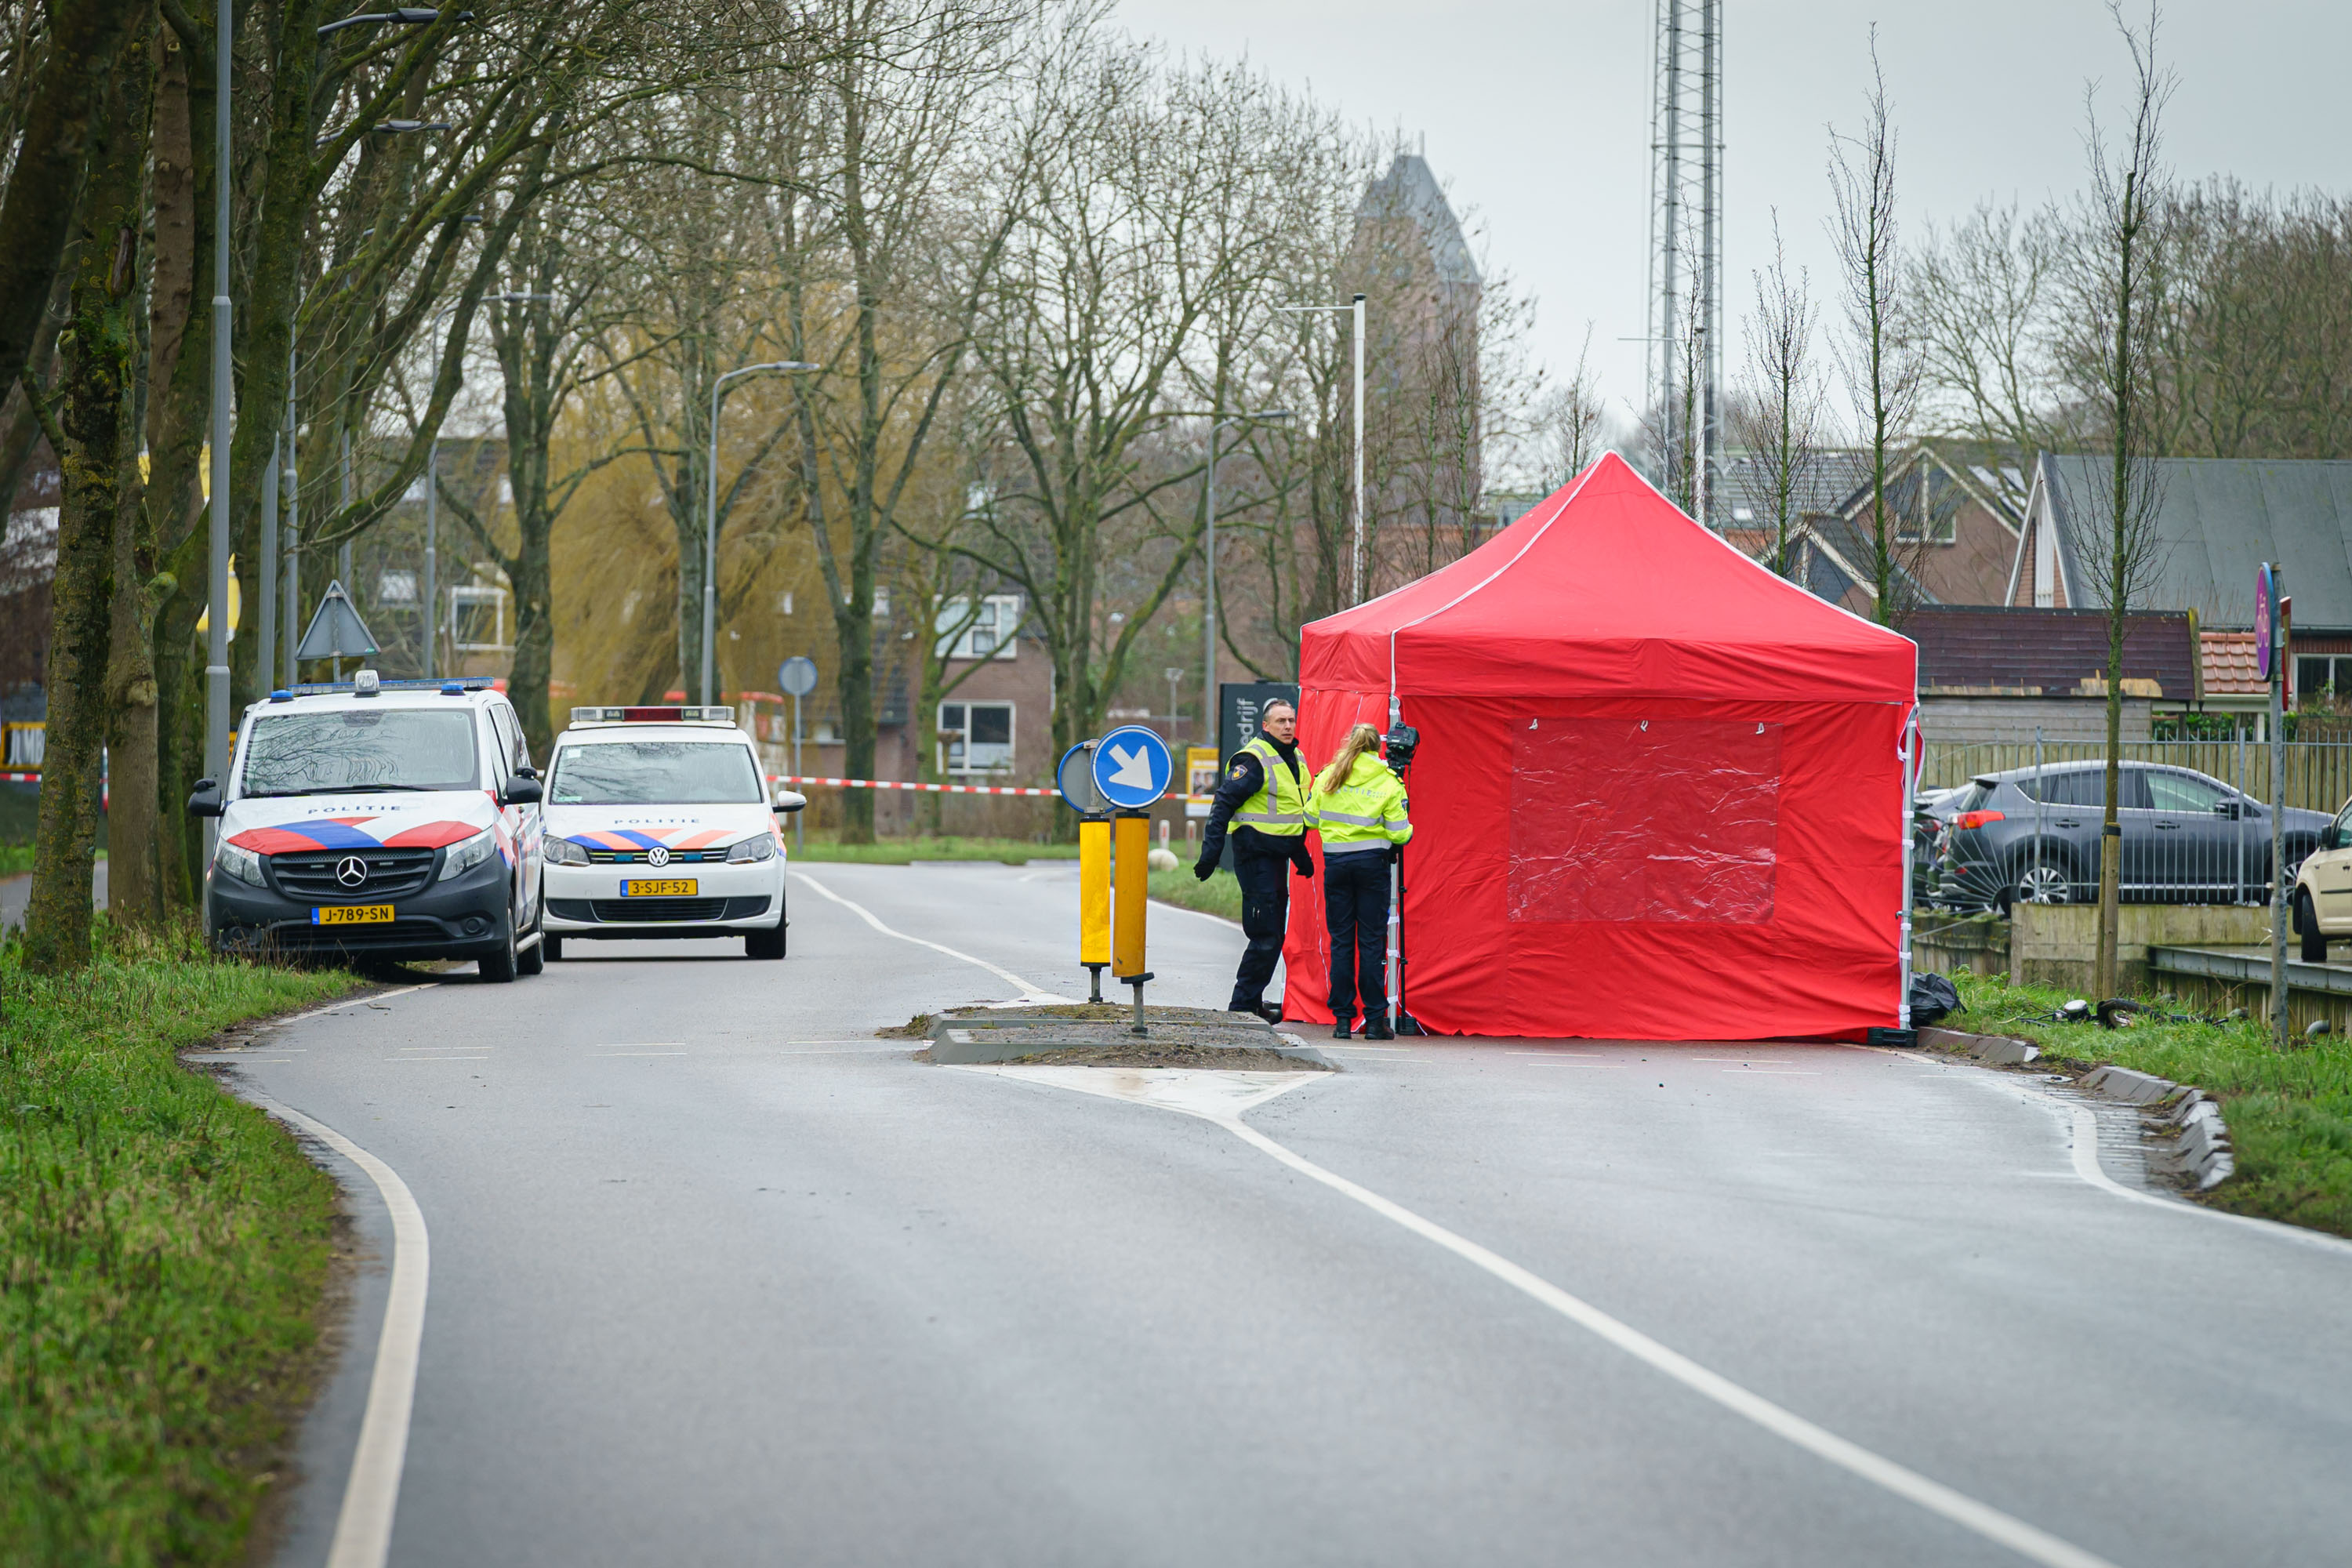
(498, 967)
(767, 944)
(2306, 926)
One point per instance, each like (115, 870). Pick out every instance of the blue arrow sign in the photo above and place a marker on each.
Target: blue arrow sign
(1132, 767)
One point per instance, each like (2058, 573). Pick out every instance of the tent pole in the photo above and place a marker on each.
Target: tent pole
(1910, 771)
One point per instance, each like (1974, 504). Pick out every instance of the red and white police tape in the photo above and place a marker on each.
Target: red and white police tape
(901, 783)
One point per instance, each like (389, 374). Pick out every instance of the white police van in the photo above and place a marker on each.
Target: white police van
(378, 819)
(659, 824)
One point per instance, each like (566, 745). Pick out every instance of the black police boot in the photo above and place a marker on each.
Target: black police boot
(1376, 1027)
(1343, 1029)
(1270, 1011)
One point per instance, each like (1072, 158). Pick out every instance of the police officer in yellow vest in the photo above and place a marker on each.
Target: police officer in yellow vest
(1262, 797)
(1358, 807)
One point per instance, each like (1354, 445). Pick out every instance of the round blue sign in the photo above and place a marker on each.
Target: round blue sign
(1132, 768)
(797, 677)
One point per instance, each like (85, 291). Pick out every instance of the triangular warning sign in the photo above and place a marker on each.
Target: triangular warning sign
(336, 631)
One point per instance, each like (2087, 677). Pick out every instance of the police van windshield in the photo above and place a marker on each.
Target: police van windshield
(655, 773)
(361, 750)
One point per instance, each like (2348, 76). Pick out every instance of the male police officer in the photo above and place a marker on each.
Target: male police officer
(1264, 796)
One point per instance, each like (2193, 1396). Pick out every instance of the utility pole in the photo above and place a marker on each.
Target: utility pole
(216, 689)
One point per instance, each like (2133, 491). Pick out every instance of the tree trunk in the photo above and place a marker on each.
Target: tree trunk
(134, 890)
(98, 447)
(534, 601)
(66, 111)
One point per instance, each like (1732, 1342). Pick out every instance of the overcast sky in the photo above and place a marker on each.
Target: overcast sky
(1536, 116)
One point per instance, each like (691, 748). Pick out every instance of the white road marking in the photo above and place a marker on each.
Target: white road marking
(1769, 1072)
(1201, 914)
(2085, 1154)
(364, 1528)
(638, 1053)
(1750, 1061)
(642, 1045)
(1028, 992)
(477, 1057)
(347, 1002)
(1225, 1106)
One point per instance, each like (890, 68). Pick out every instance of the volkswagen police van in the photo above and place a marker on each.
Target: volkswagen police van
(659, 824)
(378, 819)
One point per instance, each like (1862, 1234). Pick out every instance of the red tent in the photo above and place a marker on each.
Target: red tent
(1660, 793)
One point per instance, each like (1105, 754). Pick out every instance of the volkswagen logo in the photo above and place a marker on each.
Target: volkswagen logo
(351, 871)
(658, 856)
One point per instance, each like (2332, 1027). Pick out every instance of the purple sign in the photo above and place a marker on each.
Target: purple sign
(2265, 620)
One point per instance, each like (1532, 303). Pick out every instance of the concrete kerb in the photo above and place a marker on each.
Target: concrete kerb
(974, 1037)
(2188, 1141)
(1999, 1049)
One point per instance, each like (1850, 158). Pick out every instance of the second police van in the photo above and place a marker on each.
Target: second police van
(658, 823)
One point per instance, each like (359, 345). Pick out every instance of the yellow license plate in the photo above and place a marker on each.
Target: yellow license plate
(350, 914)
(673, 887)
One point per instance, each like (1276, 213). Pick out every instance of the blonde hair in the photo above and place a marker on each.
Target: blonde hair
(1362, 741)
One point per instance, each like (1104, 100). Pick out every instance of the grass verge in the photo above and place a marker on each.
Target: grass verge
(2290, 1112)
(163, 1251)
(1219, 894)
(901, 851)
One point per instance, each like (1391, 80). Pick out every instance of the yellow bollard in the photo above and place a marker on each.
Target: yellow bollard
(1094, 898)
(1132, 868)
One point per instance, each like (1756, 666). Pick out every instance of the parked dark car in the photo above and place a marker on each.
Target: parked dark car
(2187, 839)
(1931, 813)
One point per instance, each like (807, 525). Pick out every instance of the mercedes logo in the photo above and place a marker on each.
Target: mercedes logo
(658, 856)
(351, 871)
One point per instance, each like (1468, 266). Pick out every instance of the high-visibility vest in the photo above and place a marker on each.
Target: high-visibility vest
(1369, 808)
(1279, 806)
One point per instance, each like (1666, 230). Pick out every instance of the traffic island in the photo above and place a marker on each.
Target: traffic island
(1102, 1035)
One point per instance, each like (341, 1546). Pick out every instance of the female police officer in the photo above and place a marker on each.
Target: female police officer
(1264, 796)
(1359, 806)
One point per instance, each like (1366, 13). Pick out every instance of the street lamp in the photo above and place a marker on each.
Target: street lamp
(429, 601)
(711, 534)
(1209, 560)
(1357, 308)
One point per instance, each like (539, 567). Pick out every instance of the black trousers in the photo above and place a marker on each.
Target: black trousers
(1265, 916)
(1356, 913)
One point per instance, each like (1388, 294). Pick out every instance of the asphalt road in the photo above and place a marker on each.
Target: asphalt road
(717, 1278)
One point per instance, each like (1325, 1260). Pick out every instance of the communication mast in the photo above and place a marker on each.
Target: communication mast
(1686, 288)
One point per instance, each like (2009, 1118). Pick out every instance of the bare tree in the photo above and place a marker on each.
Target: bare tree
(1882, 369)
(1571, 423)
(2125, 209)
(1779, 421)
(1982, 297)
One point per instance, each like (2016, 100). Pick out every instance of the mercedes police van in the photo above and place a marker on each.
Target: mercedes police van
(659, 824)
(378, 819)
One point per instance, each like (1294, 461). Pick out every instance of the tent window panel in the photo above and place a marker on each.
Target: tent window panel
(1664, 821)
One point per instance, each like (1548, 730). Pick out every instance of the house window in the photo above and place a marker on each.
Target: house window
(976, 736)
(2324, 681)
(992, 633)
(395, 588)
(478, 618)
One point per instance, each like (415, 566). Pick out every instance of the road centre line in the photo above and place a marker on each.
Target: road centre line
(1028, 992)
(2004, 1530)
(363, 1526)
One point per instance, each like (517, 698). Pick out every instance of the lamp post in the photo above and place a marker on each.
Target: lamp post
(710, 520)
(1209, 561)
(1357, 311)
(429, 600)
